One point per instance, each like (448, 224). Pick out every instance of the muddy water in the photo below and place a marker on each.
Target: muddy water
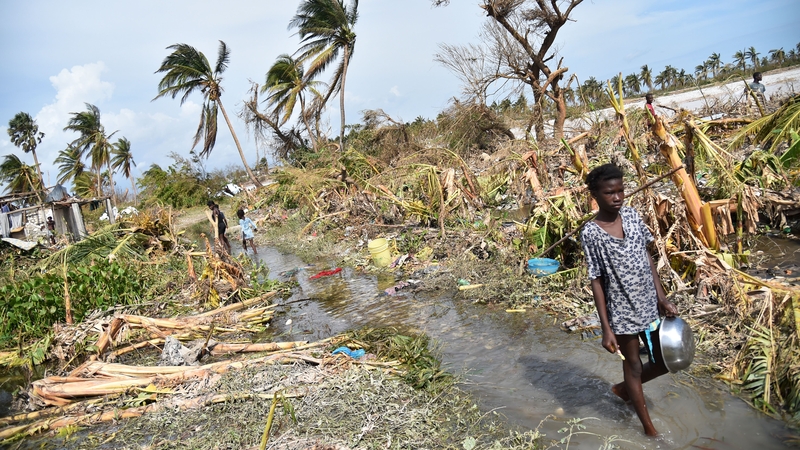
(523, 366)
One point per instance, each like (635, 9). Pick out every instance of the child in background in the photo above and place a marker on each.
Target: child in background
(626, 288)
(248, 229)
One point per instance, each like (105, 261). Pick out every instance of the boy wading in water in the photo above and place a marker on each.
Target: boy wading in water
(248, 229)
(626, 288)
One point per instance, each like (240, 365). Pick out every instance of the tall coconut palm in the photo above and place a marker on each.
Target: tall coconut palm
(70, 164)
(188, 70)
(646, 75)
(740, 59)
(18, 176)
(326, 28)
(777, 55)
(714, 63)
(25, 134)
(286, 85)
(752, 55)
(93, 138)
(122, 159)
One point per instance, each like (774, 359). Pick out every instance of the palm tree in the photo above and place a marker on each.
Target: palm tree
(740, 58)
(646, 75)
(18, 176)
(632, 84)
(714, 63)
(186, 71)
(591, 90)
(122, 159)
(93, 139)
(25, 134)
(701, 71)
(325, 28)
(752, 55)
(70, 164)
(778, 55)
(286, 86)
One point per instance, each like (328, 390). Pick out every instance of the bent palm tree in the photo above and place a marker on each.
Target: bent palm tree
(286, 86)
(70, 165)
(188, 70)
(25, 134)
(325, 28)
(94, 139)
(18, 176)
(122, 159)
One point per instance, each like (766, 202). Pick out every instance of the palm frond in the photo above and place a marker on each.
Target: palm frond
(223, 58)
(772, 129)
(108, 240)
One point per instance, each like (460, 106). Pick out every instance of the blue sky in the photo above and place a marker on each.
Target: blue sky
(58, 55)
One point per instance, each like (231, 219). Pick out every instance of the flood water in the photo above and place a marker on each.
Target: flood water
(522, 365)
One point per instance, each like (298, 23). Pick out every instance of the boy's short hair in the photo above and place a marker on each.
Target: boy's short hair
(602, 173)
(240, 213)
(210, 203)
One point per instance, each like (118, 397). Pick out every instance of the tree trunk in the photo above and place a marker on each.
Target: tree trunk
(239, 146)
(111, 182)
(135, 195)
(304, 116)
(345, 60)
(561, 115)
(38, 170)
(538, 114)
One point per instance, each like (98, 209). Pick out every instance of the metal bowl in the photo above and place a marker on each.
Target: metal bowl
(677, 343)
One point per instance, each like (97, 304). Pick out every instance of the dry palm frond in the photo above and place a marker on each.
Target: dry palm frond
(303, 187)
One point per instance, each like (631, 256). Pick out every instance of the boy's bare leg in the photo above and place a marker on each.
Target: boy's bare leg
(253, 244)
(632, 370)
(650, 371)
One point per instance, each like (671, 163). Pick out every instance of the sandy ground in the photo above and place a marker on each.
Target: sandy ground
(718, 98)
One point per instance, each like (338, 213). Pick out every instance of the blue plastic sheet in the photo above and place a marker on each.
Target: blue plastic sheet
(355, 354)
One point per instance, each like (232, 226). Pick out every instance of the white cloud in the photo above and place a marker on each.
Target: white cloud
(395, 91)
(79, 85)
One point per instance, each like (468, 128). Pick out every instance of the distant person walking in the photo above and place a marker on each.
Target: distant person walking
(248, 229)
(651, 109)
(755, 91)
(222, 224)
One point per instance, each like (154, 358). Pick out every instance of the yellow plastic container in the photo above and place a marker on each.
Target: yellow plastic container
(379, 250)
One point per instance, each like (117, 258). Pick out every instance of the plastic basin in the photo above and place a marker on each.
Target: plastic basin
(541, 267)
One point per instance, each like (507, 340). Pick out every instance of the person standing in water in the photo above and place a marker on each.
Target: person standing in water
(248, 229)
(222, 224)
(627, 290)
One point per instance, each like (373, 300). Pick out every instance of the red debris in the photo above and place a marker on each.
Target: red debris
(326, 273)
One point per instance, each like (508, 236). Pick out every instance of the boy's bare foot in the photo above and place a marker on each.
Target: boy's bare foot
(620, 391)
